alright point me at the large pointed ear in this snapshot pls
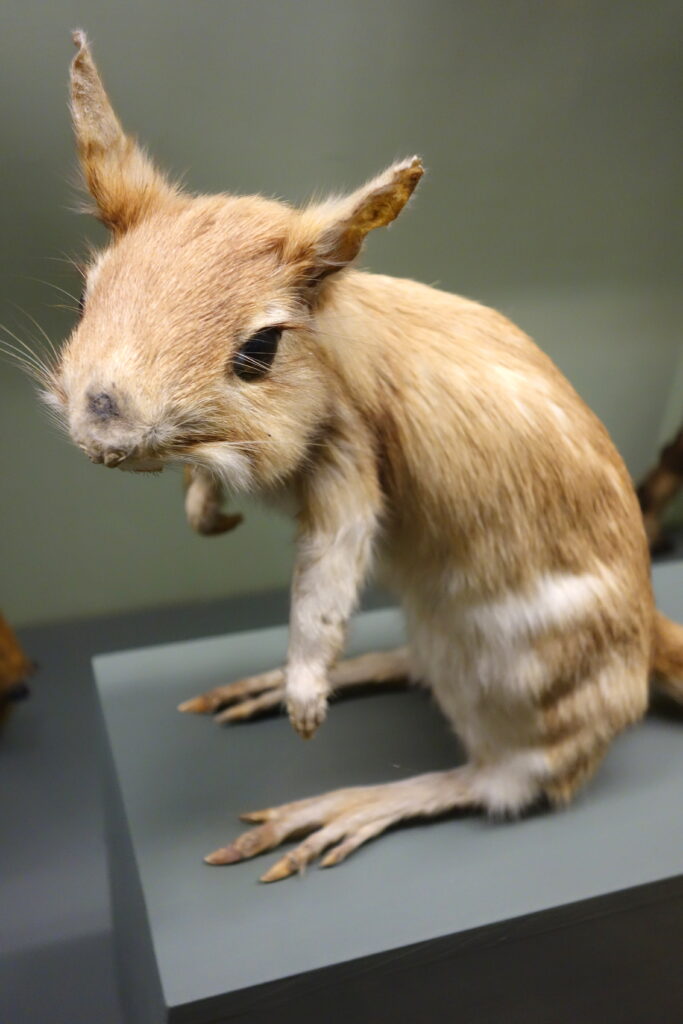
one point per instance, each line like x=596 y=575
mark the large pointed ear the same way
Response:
x=332 y=232
x=122 y=180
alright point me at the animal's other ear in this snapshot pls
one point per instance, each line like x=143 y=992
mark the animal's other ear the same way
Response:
x=121 y=179
x=333 y=232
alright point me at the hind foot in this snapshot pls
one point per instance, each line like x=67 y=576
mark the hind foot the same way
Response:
x=257 y=695
x=341 y=821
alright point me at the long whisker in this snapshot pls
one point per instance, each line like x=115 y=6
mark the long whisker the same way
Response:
x=20 y=360
x=63 y=306
x=55 y=417
x=26 y=353
x=25 y=347
x=23 y=355
x=51 y=347
x=51 y=284
x=30 y=369
x=73 y=261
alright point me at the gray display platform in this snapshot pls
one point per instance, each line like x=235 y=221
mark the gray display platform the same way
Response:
x=458 y=920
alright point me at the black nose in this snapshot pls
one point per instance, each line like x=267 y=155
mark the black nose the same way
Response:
x=103 y=406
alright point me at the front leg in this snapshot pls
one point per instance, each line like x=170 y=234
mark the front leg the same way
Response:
x=203 y=501
x=329 y=572
x=339 y=522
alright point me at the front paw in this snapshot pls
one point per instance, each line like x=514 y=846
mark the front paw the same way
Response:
x=306 y=704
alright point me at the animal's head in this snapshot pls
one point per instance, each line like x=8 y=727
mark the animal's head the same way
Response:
x=197 y=338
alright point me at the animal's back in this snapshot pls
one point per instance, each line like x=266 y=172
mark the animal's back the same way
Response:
x=512 y=533
x=489 y=454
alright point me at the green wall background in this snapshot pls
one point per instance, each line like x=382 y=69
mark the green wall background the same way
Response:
x=551 y=136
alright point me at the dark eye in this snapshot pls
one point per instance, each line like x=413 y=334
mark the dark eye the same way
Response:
x=253 y=360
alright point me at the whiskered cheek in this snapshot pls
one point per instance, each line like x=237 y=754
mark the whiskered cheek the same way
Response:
x=54 y=399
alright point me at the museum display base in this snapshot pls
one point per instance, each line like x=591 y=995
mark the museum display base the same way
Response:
x=557 y=918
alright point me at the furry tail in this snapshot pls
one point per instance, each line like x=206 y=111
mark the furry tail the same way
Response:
x=668 y=657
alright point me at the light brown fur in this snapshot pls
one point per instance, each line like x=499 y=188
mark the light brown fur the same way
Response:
x=413 y=430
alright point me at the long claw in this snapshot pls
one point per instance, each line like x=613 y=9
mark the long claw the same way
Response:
x=296 y=860
x=249 y=844
x=339 y=822
x=337 y=855
x=340 y=852
x=197 y=705
x=257 y=816
x=283 y=868
x=225 y=855
x=261 y=688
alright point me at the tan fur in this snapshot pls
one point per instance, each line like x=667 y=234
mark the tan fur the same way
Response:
x=121 y=179
x=415 y=431
x=668 y=656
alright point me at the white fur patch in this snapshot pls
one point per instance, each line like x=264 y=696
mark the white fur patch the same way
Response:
x=330 y=568
x=555 y=600
x=509 y=784
x=94 y=272
x=231 y=466
x=480 y=662
x=51 y=399
x=563 y=421
x=273 y=315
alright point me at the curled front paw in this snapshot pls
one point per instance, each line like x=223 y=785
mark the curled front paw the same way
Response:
x=306 y=708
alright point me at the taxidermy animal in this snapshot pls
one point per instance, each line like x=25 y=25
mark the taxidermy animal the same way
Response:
x=414 y=432
x=658 y=490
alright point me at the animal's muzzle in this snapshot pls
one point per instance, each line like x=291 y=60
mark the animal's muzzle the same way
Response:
x=103 y=406
x=111 y=457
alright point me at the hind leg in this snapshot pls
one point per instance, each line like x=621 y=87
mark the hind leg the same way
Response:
x=535 y=715
x=503 y=779
x=255 y=695
x=343 y=820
